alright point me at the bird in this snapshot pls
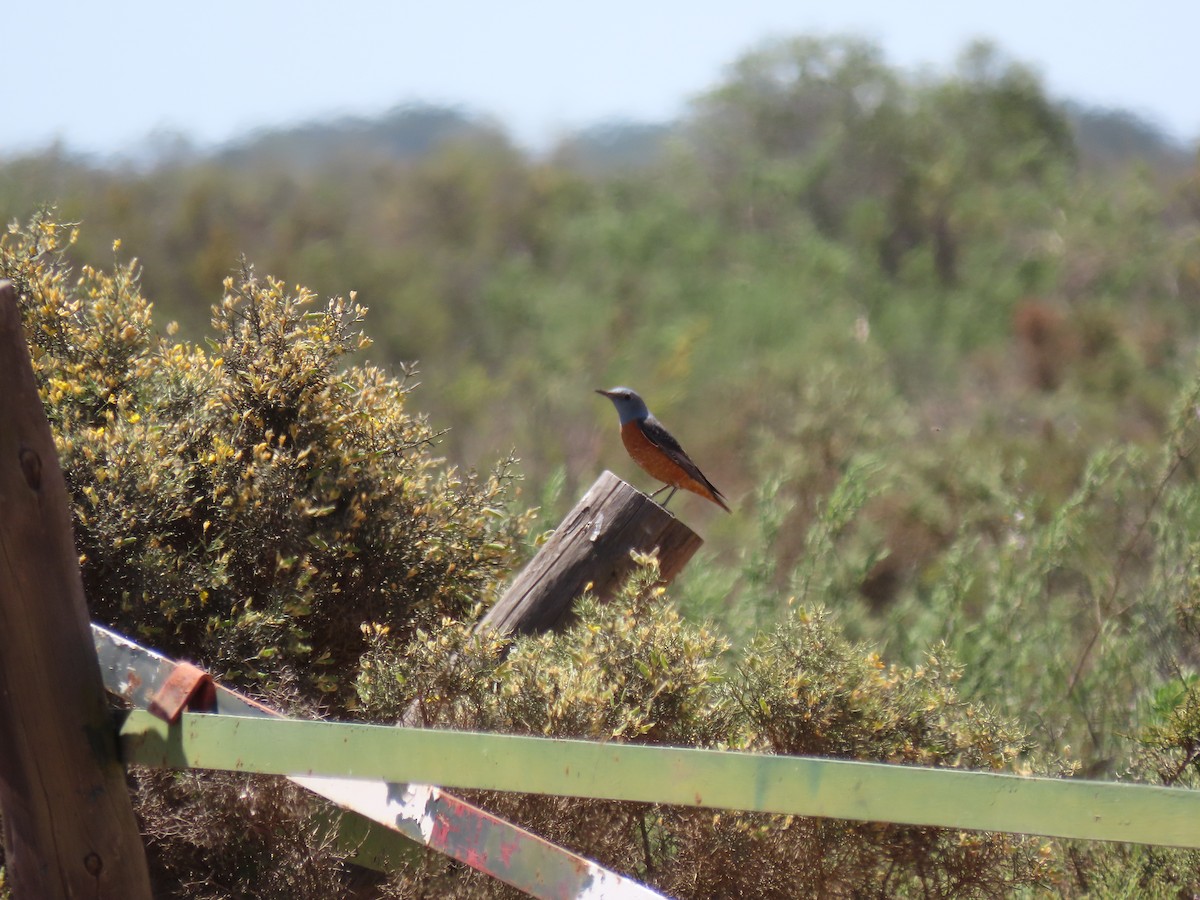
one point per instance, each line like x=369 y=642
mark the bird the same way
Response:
x=656 y=451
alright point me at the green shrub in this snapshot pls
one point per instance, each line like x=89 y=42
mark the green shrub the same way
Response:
x=253 y=503
x=632 y=670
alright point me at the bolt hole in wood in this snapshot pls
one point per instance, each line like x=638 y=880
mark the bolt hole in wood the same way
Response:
x=31 y=468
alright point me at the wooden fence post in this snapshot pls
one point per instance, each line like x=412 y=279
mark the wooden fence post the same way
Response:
x=592 y=546
x=69 y=828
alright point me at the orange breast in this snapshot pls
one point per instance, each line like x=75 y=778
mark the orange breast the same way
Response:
x=657 y=463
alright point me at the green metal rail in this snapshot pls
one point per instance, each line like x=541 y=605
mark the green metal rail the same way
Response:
x=1067 y=808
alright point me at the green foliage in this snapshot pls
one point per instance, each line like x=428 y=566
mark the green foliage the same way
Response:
x=632 y=670
x=629 y=669
x=1171 y=741
x=898 y=169
x=805 y=694
x=252 y=504
x=1062 y=604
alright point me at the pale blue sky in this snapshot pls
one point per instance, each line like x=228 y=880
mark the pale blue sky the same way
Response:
x=102 y=76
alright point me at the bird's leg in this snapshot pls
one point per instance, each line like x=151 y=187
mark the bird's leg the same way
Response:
x=659 y=491
x=669 y=496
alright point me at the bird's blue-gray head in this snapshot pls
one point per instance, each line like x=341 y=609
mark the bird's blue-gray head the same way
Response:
x=630 y=407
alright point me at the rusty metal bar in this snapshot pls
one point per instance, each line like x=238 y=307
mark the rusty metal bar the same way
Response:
x=951 y=798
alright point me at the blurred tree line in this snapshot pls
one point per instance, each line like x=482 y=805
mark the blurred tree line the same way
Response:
x=936 y=335
x=815 y=187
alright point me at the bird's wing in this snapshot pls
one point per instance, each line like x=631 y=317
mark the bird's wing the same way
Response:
x=665 y=441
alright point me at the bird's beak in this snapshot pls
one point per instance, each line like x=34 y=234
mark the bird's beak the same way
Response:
x=605 y=393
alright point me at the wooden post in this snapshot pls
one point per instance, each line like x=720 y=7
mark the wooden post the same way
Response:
x=69 y=828
x=592 y=547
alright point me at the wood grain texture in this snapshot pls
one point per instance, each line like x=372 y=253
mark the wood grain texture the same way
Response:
x=592 y=547
x=69 y=828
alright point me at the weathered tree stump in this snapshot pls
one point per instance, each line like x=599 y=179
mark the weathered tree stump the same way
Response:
x=69 y=828
x=592 y=547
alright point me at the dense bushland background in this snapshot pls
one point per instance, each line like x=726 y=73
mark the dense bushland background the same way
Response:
x=936 y=336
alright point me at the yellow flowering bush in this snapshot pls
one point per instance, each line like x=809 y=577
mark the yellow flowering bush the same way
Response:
x=633 y=670
x=253 y=502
